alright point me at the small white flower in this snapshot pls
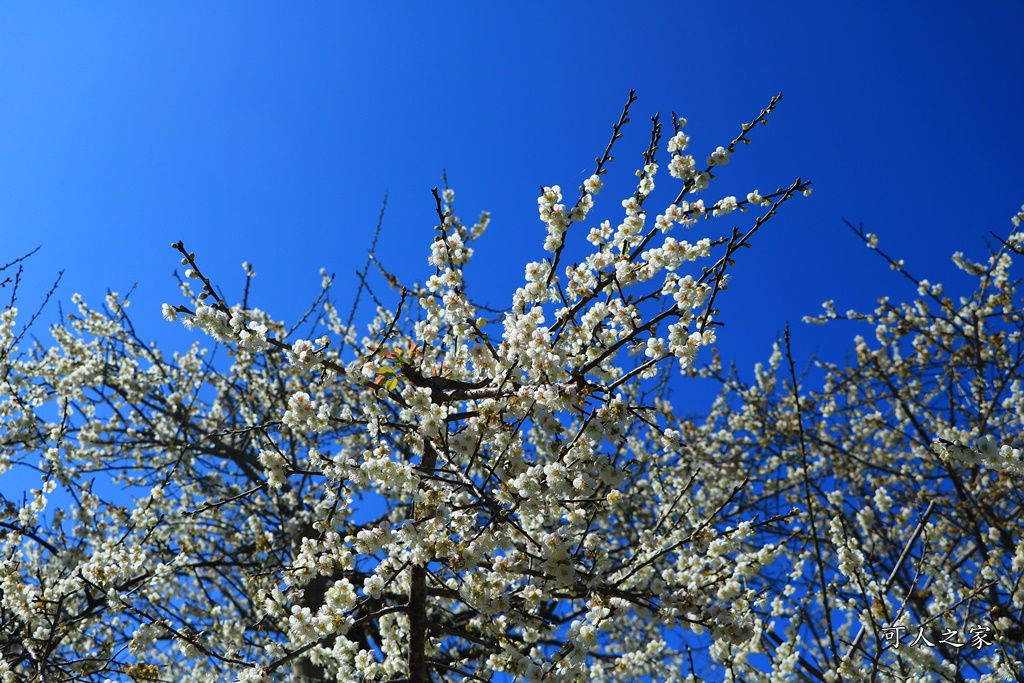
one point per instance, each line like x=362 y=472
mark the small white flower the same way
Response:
x=678 y=142
x=720 y=157
x=724 y=206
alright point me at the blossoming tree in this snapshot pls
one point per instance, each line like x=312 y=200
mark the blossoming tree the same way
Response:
x=906 y=560
x=453 y=496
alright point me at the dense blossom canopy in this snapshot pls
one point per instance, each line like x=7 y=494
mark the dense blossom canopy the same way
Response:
x=454 y=495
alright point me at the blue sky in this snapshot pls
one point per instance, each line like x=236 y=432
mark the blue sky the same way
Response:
x=270 y=132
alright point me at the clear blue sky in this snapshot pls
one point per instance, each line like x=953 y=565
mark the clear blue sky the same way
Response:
x=269 y=132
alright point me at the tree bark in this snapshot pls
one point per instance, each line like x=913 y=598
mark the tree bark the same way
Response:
x=417 y=606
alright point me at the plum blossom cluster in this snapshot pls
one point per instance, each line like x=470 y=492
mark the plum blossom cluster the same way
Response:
x=304 y=414
x=449 y=493
x=985 y=451
x=553 y=213
x=908 y=459
x=462 y=496
x=223 y=326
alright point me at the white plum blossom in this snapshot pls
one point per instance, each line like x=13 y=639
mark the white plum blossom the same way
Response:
x=446 y=490
x=678 y=142
x=682 y=166
x=304 y=354
x=720 y=157
x=724 y=206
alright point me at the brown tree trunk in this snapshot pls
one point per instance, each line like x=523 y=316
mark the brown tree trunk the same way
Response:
x=417 y=607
